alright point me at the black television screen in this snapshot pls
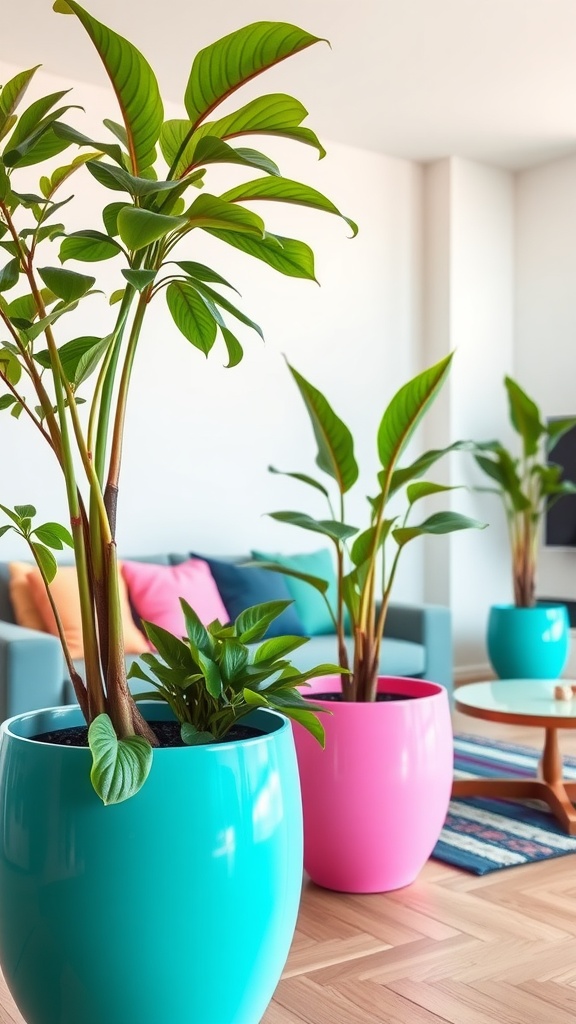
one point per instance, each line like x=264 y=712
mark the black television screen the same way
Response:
x=560 y=524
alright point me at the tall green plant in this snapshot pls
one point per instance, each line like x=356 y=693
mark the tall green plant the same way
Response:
x=527 y=484
x=367 y=559
x=151 y=228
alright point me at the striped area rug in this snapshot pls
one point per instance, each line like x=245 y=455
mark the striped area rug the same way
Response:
x=486 y=835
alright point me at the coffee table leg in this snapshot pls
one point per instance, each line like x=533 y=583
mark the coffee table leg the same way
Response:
x=551 y=761
x=549 y=786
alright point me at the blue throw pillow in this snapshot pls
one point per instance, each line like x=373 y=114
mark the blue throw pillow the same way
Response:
x=241 y=586
x=309 y=603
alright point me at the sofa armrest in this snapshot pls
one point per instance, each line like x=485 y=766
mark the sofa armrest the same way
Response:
x=431 y=626
x=31 y=670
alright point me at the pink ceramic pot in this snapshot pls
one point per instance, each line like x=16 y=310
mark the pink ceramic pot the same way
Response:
x=376 y=798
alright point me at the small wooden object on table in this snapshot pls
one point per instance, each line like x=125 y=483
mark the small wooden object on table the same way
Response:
x=543 y=703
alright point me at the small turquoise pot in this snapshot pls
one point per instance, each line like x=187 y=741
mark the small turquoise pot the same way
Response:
x=175 y=907
x=528 y=643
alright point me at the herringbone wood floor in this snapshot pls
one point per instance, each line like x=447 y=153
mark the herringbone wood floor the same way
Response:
x=450 y=948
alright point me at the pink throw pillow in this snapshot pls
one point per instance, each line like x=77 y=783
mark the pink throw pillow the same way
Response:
x=155 y=591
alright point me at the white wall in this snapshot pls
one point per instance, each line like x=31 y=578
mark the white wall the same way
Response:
x=546 y=317
x=469 y=274
x=199 y=437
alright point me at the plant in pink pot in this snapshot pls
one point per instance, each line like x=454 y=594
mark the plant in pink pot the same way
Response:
x=376 y=798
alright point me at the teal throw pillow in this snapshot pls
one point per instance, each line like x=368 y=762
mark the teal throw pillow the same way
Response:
x=309 y=603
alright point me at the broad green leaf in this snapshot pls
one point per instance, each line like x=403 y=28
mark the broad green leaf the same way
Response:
x=219 y=69
x=211 y=674
x=5 y=529
x=12 y=93
x=88 y=247
x=421 y=465
x=525 y=417
x=256 y=700
x=406 y=410
x=327 y=527
x=283 y=190
x=117 y=296
x=314 y=581
x=44 y=145
x=211 y=150
x=214 y=298
x=138 y=228
x=25 y=511
x=54 y=535
x=120 y=180
x=233 y=347
x=275 y=114
x=307 y=719
x=253 y=622
x=335 y=443
x=119 y=767
x=277 y=647
x=303 y=478
x=46 y=561
x=233 y=661
x=557 y=428
x=66 y=284
x=363 y=547
x=10 y=366
x=79 y=357
x=32 y=117
x=191 y=315
x=211 y=212
x=13 y=515
x=118 y=130
x=6 y=401
x=9 y=275
x=139 y=279
x=134 y=83
x=74 y=136
x=193 y=737
x=110 y=216
x=174 y=651
x=288 y=256
x=196 y=630
x=61 y=174
x=8 y=126
x=202 y=273
x=441 y=522
x=504 y=470
x=424 y=489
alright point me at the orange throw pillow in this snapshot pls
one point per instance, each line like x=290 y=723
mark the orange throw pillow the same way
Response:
x=64 y=589
x=25 y=611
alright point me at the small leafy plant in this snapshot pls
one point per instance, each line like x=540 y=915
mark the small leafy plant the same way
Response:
x=367 y=559
x=219 y=673
x=152 y=223
x=527 y=484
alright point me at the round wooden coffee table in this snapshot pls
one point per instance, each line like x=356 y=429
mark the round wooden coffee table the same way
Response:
x=524 y=702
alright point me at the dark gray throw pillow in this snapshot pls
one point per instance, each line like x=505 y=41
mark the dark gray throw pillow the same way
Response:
x=241 y=586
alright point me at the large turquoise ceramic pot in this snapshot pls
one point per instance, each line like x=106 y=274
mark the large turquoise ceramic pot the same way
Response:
x=528 y=643
x=175 y=907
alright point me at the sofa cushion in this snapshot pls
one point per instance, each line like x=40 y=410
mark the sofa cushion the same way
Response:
x=309 y=603
x=64 y=590
x=23 y=603
x=155 y=592
x=397 y=657
x=242 y=586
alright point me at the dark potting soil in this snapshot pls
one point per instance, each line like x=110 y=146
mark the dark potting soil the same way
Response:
x=167 y=733
x=380 y=697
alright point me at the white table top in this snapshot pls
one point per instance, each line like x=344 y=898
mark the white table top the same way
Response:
x=514 y=700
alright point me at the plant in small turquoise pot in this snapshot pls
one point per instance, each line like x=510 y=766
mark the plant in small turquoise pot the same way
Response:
x=127 y=912
x=376 y=799
x=526 y=639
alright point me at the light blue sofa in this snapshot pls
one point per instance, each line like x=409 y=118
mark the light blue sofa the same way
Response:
x=417 y=642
